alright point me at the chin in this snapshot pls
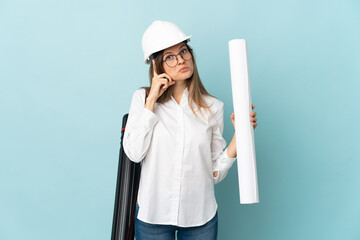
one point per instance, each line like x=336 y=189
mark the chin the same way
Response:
x=188 y=75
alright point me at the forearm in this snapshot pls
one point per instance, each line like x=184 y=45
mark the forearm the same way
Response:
x=231 y=149
x=231 y=152
x=150 y=103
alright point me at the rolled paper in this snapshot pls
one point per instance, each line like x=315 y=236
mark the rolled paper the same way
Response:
x=245 y=146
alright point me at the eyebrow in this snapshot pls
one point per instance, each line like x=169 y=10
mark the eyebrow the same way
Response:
x=179 y=49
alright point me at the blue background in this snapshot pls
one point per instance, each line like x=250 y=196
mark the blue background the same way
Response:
x=68 y=70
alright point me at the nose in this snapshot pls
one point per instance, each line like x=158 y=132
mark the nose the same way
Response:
x=180 y=58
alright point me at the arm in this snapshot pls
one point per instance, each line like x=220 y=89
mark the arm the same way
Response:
x=231 y=152
x=222 y=159
x=231 y=149
x=139 y=127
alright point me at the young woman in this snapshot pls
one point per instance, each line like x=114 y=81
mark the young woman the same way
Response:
x=175 y=129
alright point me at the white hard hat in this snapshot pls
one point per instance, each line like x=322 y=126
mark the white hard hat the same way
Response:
x=159 y=36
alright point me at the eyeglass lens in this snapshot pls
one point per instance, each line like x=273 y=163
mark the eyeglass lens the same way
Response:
x=172 y=60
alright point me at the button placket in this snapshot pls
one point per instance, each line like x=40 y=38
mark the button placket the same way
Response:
x=180 y=138
x=178 y=162
x=181 y=149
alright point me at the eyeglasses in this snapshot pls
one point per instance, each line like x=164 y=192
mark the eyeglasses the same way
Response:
x=172 y=60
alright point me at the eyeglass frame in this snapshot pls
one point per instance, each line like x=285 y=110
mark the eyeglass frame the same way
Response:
x=177 y=61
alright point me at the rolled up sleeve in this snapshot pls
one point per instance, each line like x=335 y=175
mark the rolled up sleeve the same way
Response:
x=222 y=165
x=220 y=159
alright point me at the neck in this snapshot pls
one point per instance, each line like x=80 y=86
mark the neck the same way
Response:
x=179 y=88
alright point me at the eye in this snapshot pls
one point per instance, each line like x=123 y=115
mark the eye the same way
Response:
x=169 y=57
x=184 y=51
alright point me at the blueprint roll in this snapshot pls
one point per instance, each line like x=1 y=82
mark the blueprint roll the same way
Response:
x=126 y=193
x=245 y=146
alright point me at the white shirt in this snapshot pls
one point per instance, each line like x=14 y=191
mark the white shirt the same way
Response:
x=179 y=154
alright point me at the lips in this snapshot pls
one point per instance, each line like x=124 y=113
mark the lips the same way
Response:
x=184 y=69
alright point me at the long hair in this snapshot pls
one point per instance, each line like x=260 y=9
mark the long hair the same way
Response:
x=196 y=89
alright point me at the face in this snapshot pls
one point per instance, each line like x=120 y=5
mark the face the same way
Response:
x=183 y=69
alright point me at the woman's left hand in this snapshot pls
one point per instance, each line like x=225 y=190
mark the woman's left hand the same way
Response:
x=253 y=119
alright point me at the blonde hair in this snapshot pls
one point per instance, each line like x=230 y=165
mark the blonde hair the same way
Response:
x=196 y=89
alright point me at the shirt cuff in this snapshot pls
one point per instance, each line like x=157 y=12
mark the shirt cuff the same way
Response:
x=226 y=162
x=226 y=156
x=224 y=166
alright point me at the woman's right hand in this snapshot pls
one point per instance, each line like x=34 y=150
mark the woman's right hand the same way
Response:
x=159 y=84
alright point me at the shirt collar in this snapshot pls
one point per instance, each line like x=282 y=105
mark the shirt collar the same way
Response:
x=184 y=98
x=186 y=91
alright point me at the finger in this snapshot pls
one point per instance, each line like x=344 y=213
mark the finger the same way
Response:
x=253 y=106
x=165 y=80
x=170 y=79
x=252 y=114
x=166 y=86
x=164 y=83
x=164 y=75
x=253 y=119
x=154 y=68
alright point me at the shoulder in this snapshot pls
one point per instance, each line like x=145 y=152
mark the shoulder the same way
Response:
x=139 y=92
x=139 y=95
x=216 y=105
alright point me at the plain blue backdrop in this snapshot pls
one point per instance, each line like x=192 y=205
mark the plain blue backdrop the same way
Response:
x=68 y=70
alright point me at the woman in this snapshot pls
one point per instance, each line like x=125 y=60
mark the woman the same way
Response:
x=175 y=128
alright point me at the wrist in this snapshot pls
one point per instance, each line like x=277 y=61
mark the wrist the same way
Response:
x=150 y=103
x=151 y=100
